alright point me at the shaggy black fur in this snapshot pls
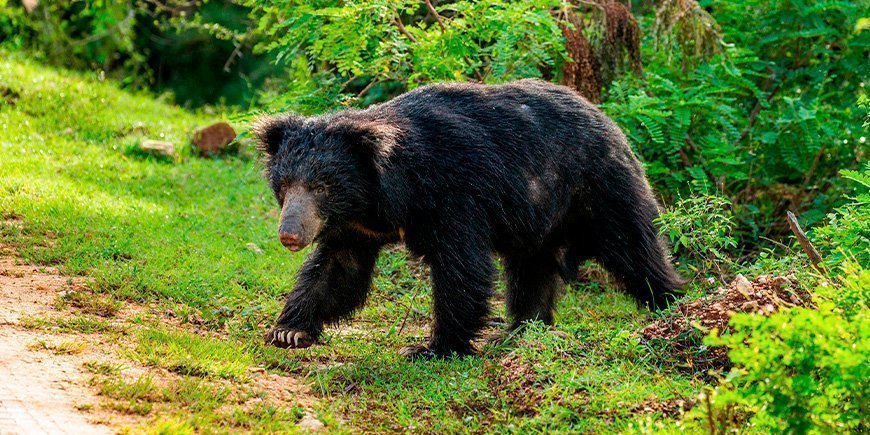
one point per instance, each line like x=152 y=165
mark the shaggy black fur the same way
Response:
x=528 y=170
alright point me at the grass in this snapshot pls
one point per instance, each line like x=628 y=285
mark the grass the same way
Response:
x=83 y=324
x=191 y=355
x=177 y=235
x=89 y=303
x=59 y=348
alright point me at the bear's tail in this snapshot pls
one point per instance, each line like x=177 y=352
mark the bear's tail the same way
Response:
x=629 y=246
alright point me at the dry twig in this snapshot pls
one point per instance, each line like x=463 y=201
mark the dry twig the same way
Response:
x=807 y=246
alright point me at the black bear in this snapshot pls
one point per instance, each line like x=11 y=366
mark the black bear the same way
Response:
x=527 y=170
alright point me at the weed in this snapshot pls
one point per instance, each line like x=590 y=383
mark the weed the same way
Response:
x=103 y=368
x=89 y=303
x=83 y=324
x=66 y=347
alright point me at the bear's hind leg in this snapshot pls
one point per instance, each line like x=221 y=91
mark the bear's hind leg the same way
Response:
x=533 y=286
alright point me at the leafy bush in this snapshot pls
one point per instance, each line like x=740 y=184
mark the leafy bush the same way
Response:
x=195 y=50
x=804 y=369
x=805 y=128
x=365 y=50
x=801 y=370
x=700 y=229
x=87 y=35
x=846 y=237
x=766 y=119
x=686 y=126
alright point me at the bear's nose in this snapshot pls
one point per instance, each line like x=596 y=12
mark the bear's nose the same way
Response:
x=290 y=241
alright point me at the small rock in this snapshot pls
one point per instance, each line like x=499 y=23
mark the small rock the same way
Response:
x=257 y=369
x=213 y=139
x=254 y=247
x=158 y=147
x=310 y=423
x=742 y=285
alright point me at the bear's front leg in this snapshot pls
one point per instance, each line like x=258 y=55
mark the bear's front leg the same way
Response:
x=462 y=274
x=332 y=283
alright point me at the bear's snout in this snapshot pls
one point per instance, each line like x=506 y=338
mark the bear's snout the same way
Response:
x=300 y=221
x=291 y=241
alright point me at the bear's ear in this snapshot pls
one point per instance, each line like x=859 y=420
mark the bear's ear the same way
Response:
x=272 y=131
x=373 y=138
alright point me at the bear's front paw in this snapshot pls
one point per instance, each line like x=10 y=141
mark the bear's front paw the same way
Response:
x=282 y=337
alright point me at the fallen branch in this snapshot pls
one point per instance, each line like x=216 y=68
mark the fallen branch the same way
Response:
x=807 y=246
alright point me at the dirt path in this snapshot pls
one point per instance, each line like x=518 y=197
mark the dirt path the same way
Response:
x=45 y=386
x=40 y=391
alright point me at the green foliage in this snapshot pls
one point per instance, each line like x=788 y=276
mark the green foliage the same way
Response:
x=198 y=51
x=846 y=236
x=700 y=229
x=804 y=369
x=766 y=123
x=806 y=40
x=108 y=208
x=807 y=127
x=685 y=127
x=801 y=370
x=87 y=35
x=362 y=51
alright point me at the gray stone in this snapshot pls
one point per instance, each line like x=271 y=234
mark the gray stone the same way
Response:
x=157 y=147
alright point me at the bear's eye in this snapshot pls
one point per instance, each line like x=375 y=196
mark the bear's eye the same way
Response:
x=319 y=190
x=280 y=193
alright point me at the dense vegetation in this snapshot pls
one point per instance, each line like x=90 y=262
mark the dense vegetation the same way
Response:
x=739 y=110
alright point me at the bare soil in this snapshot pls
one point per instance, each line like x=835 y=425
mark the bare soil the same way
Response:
x=40 y=391
x=44 y=384
x=681 y=333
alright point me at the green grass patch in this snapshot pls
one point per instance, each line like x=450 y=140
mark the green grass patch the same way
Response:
x=591 y=377
x=192 y=405
x=141 y=229
x=135 y=397
x=192 y=355
x=64 y=347
x=89 y=303
x=84 y=324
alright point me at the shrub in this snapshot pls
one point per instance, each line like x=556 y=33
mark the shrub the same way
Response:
x=362 y=51
x=805 y=369
x=700 y=229
x=846 y=237
x=800 y=370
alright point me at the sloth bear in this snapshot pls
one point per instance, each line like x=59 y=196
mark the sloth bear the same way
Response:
x=527 y=170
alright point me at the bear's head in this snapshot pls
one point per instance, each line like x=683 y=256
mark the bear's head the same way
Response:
x=323 y=170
